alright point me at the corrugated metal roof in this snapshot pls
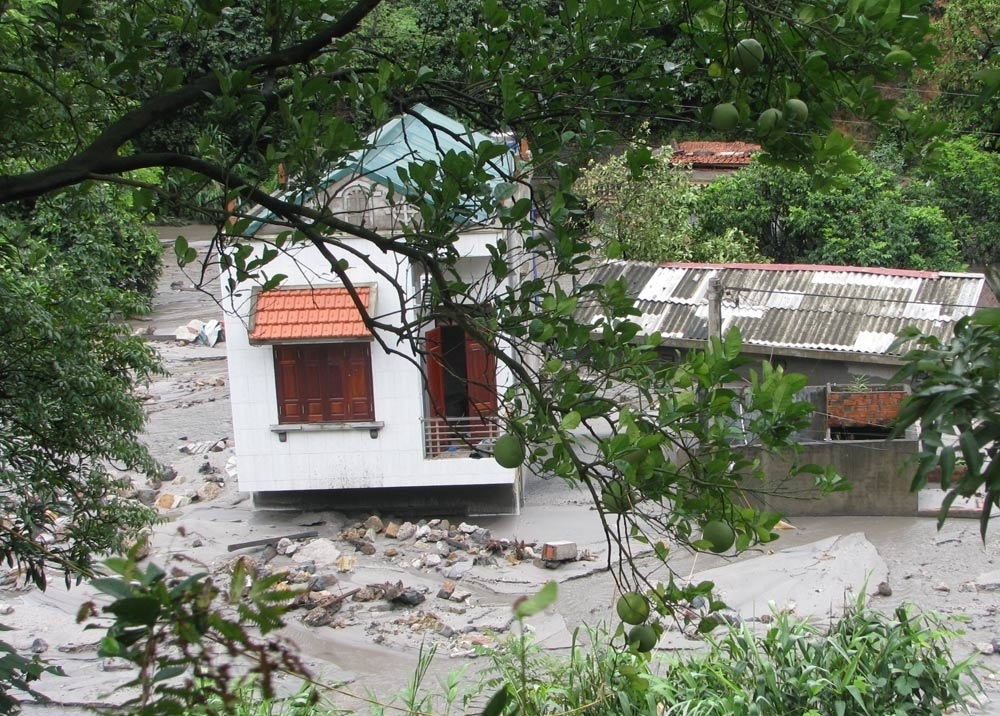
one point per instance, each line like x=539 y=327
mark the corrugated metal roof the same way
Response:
x=826 y=308
x=299 y=314
x=421 y=135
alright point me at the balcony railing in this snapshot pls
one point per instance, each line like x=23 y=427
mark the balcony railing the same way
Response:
x=456 y=437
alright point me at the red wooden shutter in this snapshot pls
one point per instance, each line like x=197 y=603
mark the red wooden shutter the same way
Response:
x=287 y=384
x=481 y=375
x=435 y=371
x=357 y=364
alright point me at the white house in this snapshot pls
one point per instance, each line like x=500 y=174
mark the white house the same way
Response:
x=323 y=410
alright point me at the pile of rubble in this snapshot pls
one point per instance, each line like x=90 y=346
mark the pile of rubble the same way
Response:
x=342 y=580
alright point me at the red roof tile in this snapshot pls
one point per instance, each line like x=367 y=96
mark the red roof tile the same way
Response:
x=723 y=154
x=298 y=314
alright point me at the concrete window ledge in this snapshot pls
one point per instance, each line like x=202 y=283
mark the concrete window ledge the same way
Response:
x=373 y=427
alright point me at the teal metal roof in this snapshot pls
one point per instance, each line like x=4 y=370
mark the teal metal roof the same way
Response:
x=420 y=135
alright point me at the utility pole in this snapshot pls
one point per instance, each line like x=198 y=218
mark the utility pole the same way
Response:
x=714 y=309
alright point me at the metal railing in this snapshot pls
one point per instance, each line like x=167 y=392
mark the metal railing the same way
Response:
x=456 y=437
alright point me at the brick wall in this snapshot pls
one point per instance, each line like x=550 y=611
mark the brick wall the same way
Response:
x=856 y=409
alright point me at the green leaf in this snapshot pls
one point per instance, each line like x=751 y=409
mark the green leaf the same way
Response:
x=570 y=421
x=497 y=705
x=530 y=606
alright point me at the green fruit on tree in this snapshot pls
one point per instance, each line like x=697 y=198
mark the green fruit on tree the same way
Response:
x=748 y=55
x=725 y=117
x=719 y=534
x=768 y=120
x=632 y=608
x=796 y=110
x=508 y=451
x=617 y=497
x=643 y=637
x=898 y=57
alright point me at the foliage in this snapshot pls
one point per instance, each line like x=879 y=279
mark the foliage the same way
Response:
x=248 y=700
x=964 y=81
x=644 y=208
x=868 y=663
x=868 y=221
x=963 y=180
x=954 y=398
x=67 y=413
x=188 y=636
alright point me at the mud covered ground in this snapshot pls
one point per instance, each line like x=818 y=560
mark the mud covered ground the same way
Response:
x=451 y=581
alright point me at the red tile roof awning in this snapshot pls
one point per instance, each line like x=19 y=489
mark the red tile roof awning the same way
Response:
x=309 y=314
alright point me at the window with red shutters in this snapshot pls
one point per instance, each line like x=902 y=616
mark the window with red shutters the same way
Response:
x=324 y=383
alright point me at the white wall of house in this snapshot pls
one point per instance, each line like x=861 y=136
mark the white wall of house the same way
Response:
x=274 y=457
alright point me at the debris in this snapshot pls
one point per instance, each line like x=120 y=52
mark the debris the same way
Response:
x=563 y=551
x=447 y=589
x=941 y=587
x=374 y=523
x=115 y=663
x=346 y=563
x=270 y=540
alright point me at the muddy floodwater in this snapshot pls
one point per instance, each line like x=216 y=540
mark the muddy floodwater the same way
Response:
x=369 y=650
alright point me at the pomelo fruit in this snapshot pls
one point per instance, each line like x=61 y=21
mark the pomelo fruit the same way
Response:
x=748 y=55
x=643 y=636
x=768 y=120
x=632 y=608
x=796 y=110
x=725 y=117
x=508 y=451
x=720 y=534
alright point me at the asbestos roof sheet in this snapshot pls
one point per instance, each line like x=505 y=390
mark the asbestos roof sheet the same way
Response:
x=805 y=307
x=300 y=314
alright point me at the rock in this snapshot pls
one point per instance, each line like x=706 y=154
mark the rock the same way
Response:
x=374 y=523
x=967 y=587
x=432 y=560
x=421 y=531
x=481 y=536
x=269 y=553
x=167 y=474
x=346 y=563
x=369 y=535
x=460 y=595
x=209 y=491
x=941 y=587
x=435 y=535
x=996 y=644
x=884 y=590
x=196 y=542
x=986 y=648
x=466 y=528
x=988 y=582
x=286 y=546
x=6 y=609
x=447 y=589
x=446 y=631
x=406 y=531
x=316 y=617
x=323 y=581
x=369 y=593
x=456 y=571
x=206 y=468
x=391 y=552
x=170 y=501
x=322 y=551
x=392 y=530
x=146 y=495
x=39 y=646
x=115 y=663
x=409 y=597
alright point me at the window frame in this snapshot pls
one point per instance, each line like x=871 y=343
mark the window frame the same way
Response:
x=324 y=383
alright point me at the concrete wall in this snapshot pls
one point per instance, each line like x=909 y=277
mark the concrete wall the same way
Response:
x=877 y=470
